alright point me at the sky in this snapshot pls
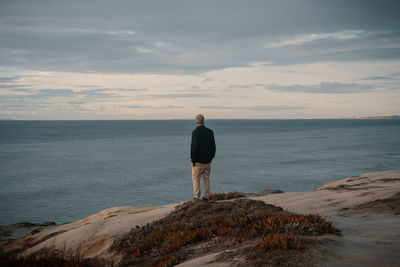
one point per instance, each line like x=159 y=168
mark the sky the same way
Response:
x=160 y=59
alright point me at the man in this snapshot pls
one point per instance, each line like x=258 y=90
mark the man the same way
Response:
x=202 y=152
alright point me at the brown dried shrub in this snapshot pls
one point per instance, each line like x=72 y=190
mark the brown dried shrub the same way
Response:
x=279 y=241
x=239 y=220
x=226 y=196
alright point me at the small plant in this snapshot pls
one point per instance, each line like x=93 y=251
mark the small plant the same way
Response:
x=279 y=241
x=227 y=196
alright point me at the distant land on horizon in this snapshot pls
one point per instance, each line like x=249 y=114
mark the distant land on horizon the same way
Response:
x=377 y=117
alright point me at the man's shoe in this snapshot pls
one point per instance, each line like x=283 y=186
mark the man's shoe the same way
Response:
x=195 y=199
x=205 y=199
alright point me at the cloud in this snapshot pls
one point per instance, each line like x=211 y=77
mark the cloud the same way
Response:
x=152 y=107
x=61 y=98
x=94 y=92
x=311 y=37
x=136 y=106
x=96 y=31
x=192 y=36
x=54 y=92
x=21 y=104
x=89 y=86
x=52 y=100
x=183 y=95
x=17 y=89
x=98 y=91
x=52 y=97
x=375 y=78
x=206 y=80
x=50 y=93
x=9 y=79
x=322 y=88
x=129 y=89
x=13 y=86
x=242 y=86
x=11 y=82
x=77 y=106
x=257 y=107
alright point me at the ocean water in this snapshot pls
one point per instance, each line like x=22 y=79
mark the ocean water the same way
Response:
x=63 y=171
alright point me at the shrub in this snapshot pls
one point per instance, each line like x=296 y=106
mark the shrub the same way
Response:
x=240 y=220
x=227 y=196
x=279 y=241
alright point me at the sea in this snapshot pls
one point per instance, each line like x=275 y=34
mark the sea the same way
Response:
x=63 y=171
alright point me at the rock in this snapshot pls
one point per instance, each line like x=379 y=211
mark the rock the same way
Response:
x=265 y=192
x=47 y=223
x=347 y=201
x=23 y=225
x=18 y=230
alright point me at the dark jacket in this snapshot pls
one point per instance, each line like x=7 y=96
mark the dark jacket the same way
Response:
x=203 y=145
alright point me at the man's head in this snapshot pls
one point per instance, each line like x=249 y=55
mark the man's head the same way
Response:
x=199 y=119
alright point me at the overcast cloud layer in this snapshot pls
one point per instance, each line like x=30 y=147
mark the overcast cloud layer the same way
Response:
x=193 y=36
x=196 y=41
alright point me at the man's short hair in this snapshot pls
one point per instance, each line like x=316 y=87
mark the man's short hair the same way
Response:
x=199 y=119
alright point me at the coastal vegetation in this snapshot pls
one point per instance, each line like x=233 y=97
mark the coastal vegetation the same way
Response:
x=227 y=196
x=251 y=228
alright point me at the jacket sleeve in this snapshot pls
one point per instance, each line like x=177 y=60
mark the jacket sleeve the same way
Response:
x=213 y=148
x=193 y=147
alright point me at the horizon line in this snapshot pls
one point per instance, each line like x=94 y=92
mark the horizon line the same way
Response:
x=334 y=118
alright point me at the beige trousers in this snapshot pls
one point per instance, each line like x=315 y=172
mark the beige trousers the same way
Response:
x=199 y=170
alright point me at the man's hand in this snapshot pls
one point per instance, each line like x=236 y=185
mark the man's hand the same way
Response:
x=192 y=164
